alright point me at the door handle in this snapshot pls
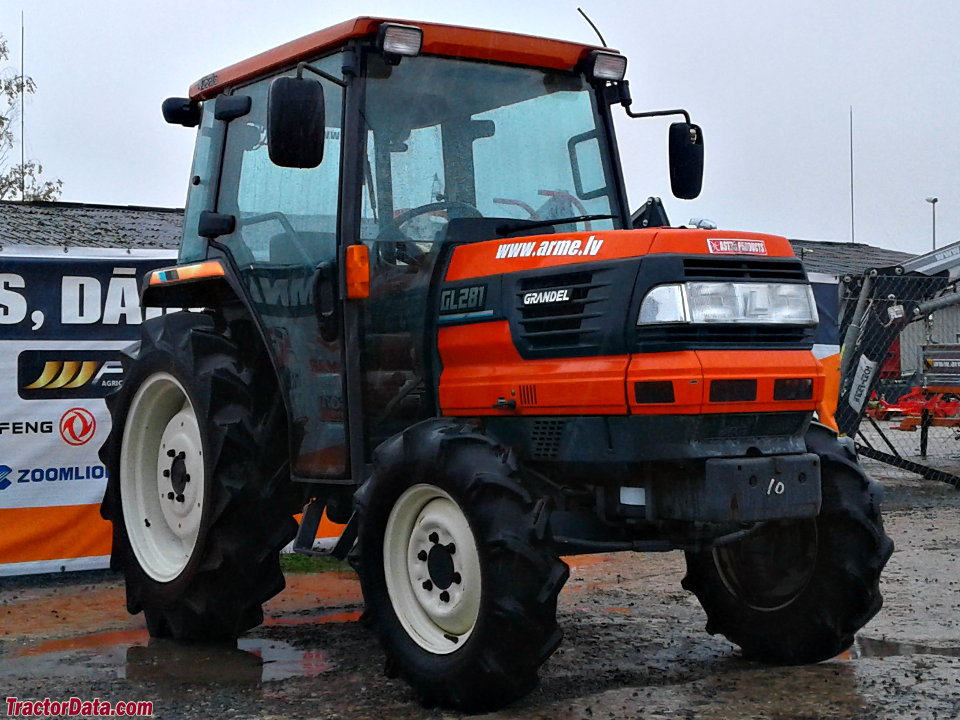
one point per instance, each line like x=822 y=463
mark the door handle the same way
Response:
x=326 y=300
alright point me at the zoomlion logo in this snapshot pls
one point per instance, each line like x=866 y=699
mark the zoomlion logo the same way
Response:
x=4 y=471
x=77 y=426
x=52 y=375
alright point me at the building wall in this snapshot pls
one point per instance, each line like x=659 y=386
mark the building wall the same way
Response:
x=943 y=327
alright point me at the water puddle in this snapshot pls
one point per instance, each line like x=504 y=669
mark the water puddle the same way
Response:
x=248 y=662
x=133 y=655
x=866 y=647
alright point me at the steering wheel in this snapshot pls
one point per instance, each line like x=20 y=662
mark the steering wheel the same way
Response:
x=407 y=250
x=408 y=215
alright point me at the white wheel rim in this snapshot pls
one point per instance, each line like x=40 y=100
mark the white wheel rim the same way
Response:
x=785 y=582
x=162 y=477
x=432 y=569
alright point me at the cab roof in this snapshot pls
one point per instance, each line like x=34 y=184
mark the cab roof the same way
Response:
x=448 y=40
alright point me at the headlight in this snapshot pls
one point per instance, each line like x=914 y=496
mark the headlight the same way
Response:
x=730 y=302
x=663 y=304
x=606 y=66
x=399 y=39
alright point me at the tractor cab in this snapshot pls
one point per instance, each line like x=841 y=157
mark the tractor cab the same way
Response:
x=401 y=140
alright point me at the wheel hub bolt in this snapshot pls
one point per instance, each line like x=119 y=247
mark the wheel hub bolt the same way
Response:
x=440 y=566
x=177 y=472
x=427 y=585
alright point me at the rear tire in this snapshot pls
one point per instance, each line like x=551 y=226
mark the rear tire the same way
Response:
x=796 y=593
x=458 y=575
x=197 y=481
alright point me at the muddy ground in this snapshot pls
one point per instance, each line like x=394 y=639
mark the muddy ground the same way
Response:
x=634 y=645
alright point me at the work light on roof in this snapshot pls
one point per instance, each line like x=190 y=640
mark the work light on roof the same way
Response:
x=607 y=66
x=402 y=40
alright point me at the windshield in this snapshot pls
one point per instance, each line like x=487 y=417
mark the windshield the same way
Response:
x=453 y=139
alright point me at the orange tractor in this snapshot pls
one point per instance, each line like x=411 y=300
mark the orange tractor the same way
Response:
x=430 y=316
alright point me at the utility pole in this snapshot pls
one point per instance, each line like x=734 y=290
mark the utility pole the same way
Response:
x=933 y=205
x=852 y=233
x=23 y=109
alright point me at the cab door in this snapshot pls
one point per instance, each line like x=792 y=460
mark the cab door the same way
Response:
x=284 y=246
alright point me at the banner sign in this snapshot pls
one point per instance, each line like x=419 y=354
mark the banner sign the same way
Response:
x=64 y=318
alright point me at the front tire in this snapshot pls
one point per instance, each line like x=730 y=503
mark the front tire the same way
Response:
x=198 y=480
x=457 y=572
x=797 y=592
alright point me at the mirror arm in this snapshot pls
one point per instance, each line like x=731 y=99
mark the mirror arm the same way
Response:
x=627 y=101
x=658 y=113
x=317 y=71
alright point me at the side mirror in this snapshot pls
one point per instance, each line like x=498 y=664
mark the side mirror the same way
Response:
x=686 y=160
x=181 y=111
x=296 y=122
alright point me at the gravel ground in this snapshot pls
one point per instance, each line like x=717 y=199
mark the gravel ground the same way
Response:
x=634 y=645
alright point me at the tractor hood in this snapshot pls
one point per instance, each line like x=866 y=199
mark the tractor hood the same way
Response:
x=551 y=325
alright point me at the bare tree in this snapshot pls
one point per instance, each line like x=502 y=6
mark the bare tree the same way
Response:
x=19 y=180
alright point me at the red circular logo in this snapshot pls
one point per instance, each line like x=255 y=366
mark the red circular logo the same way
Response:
x=77 y=426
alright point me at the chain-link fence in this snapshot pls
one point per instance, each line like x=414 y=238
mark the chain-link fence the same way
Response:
x=900 y=387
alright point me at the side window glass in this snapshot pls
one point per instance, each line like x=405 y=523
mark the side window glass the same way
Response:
x=203 y=193
x=369 y=207
x=285 y=216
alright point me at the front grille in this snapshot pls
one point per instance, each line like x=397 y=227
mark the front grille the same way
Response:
x=568 y=325
x=711 y=268
x=745 y=425
x=669 y=338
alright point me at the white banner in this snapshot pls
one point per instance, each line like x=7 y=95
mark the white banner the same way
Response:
x=64 y=317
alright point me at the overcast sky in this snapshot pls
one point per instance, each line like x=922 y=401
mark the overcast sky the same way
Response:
x=771 y=83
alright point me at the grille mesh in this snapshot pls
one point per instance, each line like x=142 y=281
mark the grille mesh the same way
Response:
x=664 y=338
x=789 y=269
x=569 y=325
x=545 y=438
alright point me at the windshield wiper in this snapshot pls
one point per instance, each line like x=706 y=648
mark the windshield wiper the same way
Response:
x=508 y=228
